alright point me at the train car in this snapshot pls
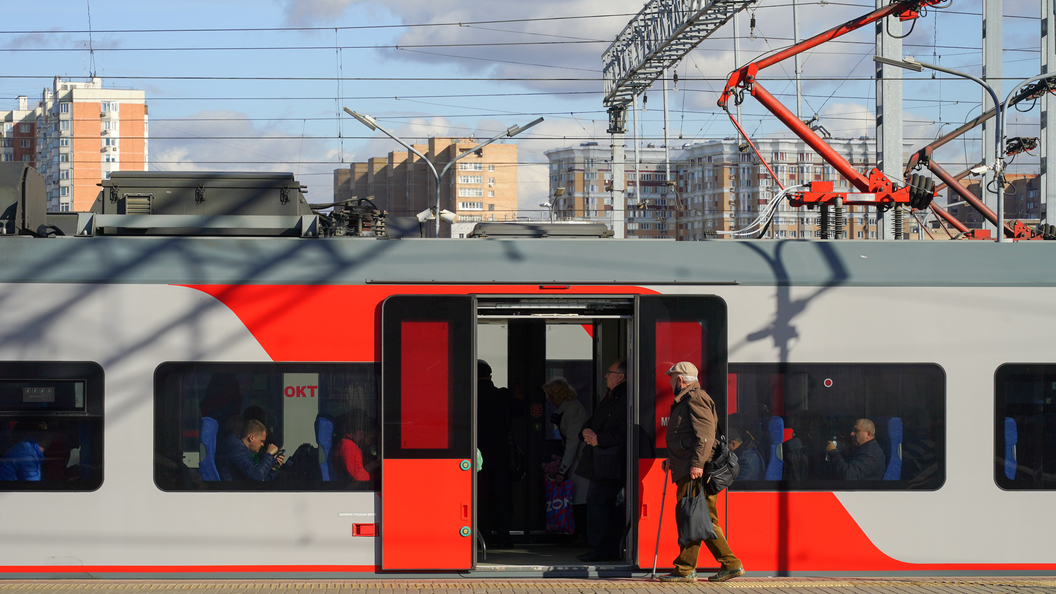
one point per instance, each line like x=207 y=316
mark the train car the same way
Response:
x=128 y=359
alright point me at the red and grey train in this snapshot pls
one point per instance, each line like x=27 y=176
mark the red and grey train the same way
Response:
x=132 y=348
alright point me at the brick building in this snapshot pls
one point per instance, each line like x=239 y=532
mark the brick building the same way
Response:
x=479 y=187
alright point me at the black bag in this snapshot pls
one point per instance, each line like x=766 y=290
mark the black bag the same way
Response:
x=692 y=516
x=723 y=468
x=608 y=463
x=303 y=467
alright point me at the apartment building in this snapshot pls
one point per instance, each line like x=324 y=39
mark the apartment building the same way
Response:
x=480 y=187
x=18 y=133
x=721 y=185
x=85 y=132
x=581 y=184
x=1023 y=201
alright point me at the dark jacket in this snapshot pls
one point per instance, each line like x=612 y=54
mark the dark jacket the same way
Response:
x=690 y=431
x=610 y=424
x=495 y=406
x=236 y=462
x=868 y=463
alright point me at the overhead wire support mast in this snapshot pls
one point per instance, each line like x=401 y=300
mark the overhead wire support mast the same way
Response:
x=660 y=35
x=876 y=188
x=924 y=158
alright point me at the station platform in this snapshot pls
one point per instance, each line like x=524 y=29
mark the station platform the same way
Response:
x=540 y=586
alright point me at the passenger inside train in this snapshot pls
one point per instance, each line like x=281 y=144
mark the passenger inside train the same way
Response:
x=811 y=422
x=51 y=426
x=266 y=426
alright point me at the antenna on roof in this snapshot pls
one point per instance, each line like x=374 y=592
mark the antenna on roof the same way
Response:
x=91 y=50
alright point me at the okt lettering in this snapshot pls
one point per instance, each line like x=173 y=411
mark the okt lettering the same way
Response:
x=301 y=391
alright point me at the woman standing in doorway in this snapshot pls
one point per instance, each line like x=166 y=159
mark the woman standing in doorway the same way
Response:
x=569 y=419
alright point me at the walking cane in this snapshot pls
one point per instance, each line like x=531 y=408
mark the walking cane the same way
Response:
x=663 y=499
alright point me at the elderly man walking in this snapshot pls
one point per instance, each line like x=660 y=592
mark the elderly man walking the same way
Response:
x=690 y=443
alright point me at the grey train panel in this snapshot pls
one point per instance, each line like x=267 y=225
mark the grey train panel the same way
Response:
x=183 y=260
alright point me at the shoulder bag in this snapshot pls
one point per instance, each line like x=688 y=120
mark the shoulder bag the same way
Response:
x=722 y=469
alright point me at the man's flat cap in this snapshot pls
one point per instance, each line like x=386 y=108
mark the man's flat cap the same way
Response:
x=683 y=368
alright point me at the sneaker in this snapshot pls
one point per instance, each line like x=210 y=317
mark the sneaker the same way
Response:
x=678 y=577
x=726 y=574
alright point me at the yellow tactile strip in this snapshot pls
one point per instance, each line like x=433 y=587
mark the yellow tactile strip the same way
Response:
x=529 y=586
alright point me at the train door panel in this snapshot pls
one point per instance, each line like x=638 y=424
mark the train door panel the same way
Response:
x=428 y=388
x=669 y=329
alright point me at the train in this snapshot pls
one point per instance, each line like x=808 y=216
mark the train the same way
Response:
x=128 y=352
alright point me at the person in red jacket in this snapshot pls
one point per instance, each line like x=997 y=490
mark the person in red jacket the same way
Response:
x=357 y=435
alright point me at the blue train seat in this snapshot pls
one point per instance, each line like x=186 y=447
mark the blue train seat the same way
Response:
x=324 y=436
x=207 y=431
x=894 y=452
x=775 y=465
x=1011 y=438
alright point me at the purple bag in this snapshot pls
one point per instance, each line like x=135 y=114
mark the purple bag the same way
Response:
x=559 y=508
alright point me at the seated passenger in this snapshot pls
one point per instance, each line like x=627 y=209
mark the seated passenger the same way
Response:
x=235 y=461
x=23 y=460
x=868 y=462
x=356 y=436
x=748 y=456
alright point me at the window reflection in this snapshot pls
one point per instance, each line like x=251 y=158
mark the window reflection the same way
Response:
x=266 y=426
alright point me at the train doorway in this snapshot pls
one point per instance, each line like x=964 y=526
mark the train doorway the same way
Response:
x=430 y=434
x=527 y=342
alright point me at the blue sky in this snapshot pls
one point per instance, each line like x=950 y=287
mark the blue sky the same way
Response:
x=253 y=85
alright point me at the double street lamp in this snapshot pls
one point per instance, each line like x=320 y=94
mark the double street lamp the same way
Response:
x=371 y=123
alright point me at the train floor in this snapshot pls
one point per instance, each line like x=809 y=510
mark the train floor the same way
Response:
x=534 y=555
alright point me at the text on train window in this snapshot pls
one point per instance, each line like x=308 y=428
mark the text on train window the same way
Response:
x=266 y=426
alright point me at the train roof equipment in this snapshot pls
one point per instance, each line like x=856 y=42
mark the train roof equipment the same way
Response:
x=876 y=189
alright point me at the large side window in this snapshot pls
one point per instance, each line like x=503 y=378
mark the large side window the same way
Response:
x=1025 y=426
x=51 y=426
x=322 y=417
x=887 y=422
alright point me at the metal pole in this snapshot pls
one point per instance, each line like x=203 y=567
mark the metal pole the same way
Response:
x=992 y=43
x=1048 y=110
x=737 y=55
x=667 y=153
x=795 y=38
x=889 y=139
x=660 y=523
x=997 y=142
x=637 y=157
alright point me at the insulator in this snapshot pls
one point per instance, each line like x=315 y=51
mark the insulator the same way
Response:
x=838 y=219
x=825 y=222
x=898 y=221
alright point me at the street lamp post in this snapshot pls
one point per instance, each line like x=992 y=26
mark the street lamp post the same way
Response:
x=549 y=207
x=371 y=123
x=910 y=63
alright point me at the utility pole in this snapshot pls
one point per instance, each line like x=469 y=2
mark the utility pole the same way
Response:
x=888 y=113
x=992 y=44
x=1047 y=184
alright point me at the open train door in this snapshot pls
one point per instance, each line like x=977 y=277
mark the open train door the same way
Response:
x=670 y=329
x=428 y=385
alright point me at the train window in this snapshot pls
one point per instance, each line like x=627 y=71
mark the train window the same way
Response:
x=322 y=417
x=51 y=426
x=1025 y=427
x=887 y=421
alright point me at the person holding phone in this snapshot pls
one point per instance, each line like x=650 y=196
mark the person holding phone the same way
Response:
x=236 y=456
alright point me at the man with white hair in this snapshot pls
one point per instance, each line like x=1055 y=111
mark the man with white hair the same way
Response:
x=690 y=444
x=868 y=462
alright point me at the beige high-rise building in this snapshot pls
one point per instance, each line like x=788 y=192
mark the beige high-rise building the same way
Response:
x=84 y=133
x=479 y=187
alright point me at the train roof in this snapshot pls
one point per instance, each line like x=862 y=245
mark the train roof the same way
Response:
x=351 y=261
